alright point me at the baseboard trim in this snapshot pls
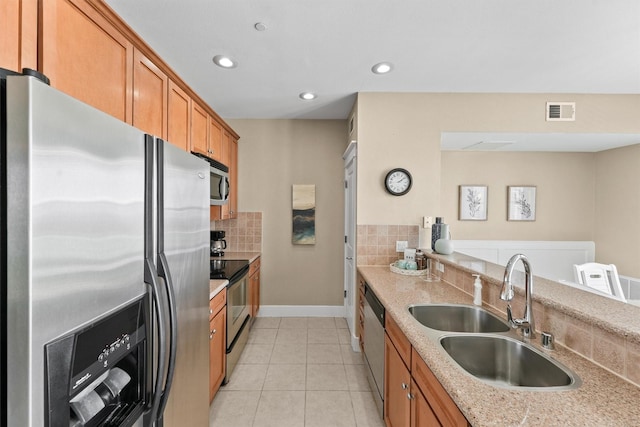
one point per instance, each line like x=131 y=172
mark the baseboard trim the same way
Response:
x=301 y=311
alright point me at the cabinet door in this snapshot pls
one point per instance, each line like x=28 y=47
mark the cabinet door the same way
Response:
x=360 y=326
x=397 y=381
x=199 y=129
x=216 y=352
x=233 y=178
x=86 y=57
x=254 y=283
x=179 y=117
x=421 y=413
x=19 y=34
x=215 y=140
x=439 y=400
x=150 y=93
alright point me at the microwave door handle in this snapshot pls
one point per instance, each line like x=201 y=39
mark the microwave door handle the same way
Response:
x=164 y=272
x=226 y=195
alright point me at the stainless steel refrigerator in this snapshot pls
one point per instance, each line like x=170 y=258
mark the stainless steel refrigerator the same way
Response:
x=104 y=267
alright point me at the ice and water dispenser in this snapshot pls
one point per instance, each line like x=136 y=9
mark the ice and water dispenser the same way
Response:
x=96 y=376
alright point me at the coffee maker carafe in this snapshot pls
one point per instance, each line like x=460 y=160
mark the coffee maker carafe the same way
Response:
x=218 y=244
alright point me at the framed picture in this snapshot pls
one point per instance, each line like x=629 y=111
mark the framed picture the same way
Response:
x=472 y=202
x=303 y=214
x=521 y=203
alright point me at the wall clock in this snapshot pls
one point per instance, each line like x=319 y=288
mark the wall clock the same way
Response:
x=398 y=181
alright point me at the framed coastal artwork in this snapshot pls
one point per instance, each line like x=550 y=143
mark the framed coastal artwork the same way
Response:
x=304 y=214
x=521 y=203
x=472 y=202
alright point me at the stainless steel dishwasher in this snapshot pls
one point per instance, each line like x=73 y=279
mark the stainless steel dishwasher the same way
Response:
x=374 y=345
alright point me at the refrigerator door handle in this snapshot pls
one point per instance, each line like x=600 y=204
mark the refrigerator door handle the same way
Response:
x=165 y=274
x=151 y=277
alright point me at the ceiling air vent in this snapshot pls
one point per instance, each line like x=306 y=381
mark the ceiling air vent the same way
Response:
x=561 y=111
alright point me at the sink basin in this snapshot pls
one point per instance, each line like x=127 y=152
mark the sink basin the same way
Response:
x=457 y=318
x=507 y=362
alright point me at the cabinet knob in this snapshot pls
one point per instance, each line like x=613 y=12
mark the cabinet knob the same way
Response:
x=409 y=396
x=212 y=334
x=210 y=311
x=404 y=386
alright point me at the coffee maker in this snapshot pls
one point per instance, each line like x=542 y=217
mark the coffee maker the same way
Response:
x=218 y=244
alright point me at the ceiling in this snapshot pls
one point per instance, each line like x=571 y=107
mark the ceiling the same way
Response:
x=329 y=46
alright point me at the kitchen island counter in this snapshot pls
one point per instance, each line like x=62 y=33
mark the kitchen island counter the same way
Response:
x=603 y=399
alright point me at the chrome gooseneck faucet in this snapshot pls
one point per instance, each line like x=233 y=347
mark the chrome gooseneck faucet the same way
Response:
x=526 y=323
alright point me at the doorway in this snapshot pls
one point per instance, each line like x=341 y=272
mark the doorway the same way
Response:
x=350 y=166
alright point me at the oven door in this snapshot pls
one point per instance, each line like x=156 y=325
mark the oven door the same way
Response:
x=237 y=309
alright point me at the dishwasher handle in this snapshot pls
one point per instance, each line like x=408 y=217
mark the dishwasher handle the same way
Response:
x=374 y=303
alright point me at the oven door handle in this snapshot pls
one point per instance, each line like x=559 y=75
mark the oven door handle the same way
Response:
x=165 y=274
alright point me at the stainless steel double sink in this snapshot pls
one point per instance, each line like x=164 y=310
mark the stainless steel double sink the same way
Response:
x=484 y=346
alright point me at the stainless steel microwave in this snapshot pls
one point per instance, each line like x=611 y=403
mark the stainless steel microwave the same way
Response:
x=219 y=183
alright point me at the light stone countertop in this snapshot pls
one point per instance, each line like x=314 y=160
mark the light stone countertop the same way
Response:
x=215 y=286
x=603 y=399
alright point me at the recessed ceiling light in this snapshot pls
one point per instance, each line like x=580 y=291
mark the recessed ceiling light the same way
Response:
x=382 y=68
x=260 y=26
x=224 y=61
x=307 y=96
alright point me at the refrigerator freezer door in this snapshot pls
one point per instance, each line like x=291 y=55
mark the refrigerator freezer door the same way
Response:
x=184 y=241
x=75 y=192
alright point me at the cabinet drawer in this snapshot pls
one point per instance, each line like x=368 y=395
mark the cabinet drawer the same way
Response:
x=217 y=303
x=254 y=266
x=439 y=400
x=401 y=342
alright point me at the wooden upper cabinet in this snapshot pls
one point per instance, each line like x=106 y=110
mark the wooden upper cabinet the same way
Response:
x=150 y=94
x=225 y=149
x=86 y=57
x=179 y=117
x=233 y=178
x=215 y=139
x=199 y=129
x=19 y=34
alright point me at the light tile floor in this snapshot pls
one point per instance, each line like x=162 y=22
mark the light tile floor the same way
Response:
x=297 y=372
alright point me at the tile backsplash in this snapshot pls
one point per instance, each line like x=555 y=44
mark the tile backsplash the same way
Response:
x=376 y=244
x=244 y=233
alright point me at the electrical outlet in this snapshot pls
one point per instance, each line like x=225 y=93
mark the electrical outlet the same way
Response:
x=440 y=267
x=427 y=221
x=401 y=245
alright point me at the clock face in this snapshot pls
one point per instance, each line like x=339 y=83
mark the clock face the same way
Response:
x=398 y=181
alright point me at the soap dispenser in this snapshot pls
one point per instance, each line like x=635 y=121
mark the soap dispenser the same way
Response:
x=477 y=290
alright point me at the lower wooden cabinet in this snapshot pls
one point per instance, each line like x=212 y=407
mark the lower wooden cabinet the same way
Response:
x=217 y=342
x=421 y=412
x=397 y=380
x=360 y=320
x=254 y=288
x=413 y=396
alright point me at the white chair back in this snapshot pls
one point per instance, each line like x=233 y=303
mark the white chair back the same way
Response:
x=601 y=277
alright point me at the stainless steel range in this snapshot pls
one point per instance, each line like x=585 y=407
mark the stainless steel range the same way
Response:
x=238 y=316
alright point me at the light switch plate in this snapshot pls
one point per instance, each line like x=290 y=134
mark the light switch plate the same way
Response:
x=427 y=221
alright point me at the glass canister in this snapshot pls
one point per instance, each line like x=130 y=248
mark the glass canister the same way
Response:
x=421 y=260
